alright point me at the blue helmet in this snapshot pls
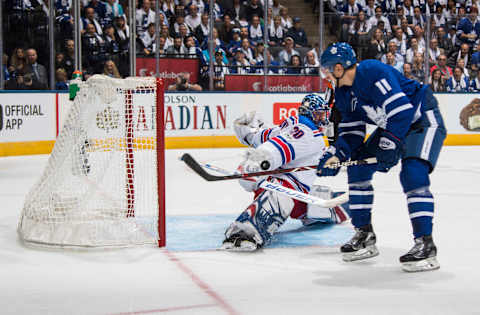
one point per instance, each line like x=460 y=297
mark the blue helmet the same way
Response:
x=341 y=53
x=314 y=107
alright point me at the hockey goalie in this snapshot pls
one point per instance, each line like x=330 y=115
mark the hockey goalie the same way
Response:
x=297 y=141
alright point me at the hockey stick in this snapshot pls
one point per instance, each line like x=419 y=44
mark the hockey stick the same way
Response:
x=294 y=194
x=197 y=168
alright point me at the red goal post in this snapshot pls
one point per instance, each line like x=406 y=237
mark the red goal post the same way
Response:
x=104 y=183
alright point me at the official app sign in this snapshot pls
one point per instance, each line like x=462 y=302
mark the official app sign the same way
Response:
x=27 y=117
x=282 y=111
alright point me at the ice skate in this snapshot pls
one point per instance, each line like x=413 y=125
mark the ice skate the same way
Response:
x=422 y=257
x=361 y=246
x=240 y=242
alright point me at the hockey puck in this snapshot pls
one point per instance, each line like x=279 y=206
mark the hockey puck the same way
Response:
x=265 y=165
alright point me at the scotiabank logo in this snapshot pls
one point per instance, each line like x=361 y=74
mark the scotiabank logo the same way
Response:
x=282 y=111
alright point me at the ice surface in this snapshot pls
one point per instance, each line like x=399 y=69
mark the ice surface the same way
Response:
x=301 y=274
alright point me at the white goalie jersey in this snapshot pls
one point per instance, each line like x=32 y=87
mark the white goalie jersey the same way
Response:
x=297 y=141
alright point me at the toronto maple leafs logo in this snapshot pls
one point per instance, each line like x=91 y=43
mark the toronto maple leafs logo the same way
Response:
x=333 y=50
x=377 y=115
x=353 y=101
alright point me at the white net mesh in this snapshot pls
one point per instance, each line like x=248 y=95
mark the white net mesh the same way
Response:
x=99 y=188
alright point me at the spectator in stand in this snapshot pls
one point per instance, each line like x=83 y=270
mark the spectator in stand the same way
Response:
x=273 y=67
x=406 y=29
x=111 y=45
x=407 y=71
x=110 y=69
x=183 y=83
x=444 y=42
x=69 y=54
x=463 y=53
x=202 y=30
x=217 y=11
x=418 y=30
x=191 y=48
x=183 y=31
x=238 y=11
x=392 y=47
x=90 y=19
x=179 y=21
x=59 y=60
x=286 y=19
x=450 y=13
x=255 y=30
x=269 y=24
x=220 y=69
x=400 y=40
x=457 y=83
x=147 y=40
x=247 y=51
x=452 y=35
x=358 y=34
x=461 y=65
x=226 y=29
x=200 y=5
x=244 y=32
x=374 y=20
x=144 y=17
x=390 y=60
x=433 y=52
x=253 y=8
x=277 y=32
x=38 y=71
x=439 y=17
x=396 y=19
x=294 y=66
x=235 y=43
x=348 y=15
x=377 y=46
x=112 y=10
x=177 y=50
x=24 y=82
x=287 y=52
x=276 y=7
x=168 y=7
x=311 y=65
x=92 y=45
x=437 y=81
x=61 y=79
x=165 y=33
x=258 y=53
x=98 y=8
x=413 y=50
x=240 y=65
x=298 y=33
x=474 y=85
x=193 y=19
x=418 y=67
x=369 y=9
x=446 y=71
x=475 y=60
x=468 y=29
x=418 y=19
x=18 y=61
x=408 y=10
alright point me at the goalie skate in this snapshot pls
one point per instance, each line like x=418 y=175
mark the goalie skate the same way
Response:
x=240 y=242
x=361 y=246
x=422 y=257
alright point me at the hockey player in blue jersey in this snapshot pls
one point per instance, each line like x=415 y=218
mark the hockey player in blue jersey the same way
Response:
x=410 y=128
x=295 y=142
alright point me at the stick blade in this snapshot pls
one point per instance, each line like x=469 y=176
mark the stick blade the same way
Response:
x=197 y=168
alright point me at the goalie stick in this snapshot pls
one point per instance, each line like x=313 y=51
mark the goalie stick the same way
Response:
x=279 y=189
x=197 y=168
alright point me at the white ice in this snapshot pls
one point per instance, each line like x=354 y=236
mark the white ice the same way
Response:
x=302 y=280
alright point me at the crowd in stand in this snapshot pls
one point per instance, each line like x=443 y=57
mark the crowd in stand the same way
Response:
x=390 y=30
x=395 y=32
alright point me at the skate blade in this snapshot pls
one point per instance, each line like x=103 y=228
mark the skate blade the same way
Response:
x=245 y=246
x=421 y=265
x=364 y=253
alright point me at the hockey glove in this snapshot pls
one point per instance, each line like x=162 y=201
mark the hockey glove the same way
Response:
x=246 y=126
x=333 y=154
x=388 y=152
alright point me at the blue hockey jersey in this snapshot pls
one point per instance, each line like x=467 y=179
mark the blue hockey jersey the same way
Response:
x=381 y=96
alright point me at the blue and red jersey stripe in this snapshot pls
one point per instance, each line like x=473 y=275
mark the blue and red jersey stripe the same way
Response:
x=285 y=148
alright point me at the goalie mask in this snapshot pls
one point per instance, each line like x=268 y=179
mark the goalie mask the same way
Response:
x=314 y=107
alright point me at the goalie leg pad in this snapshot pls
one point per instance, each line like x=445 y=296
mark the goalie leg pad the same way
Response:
x=316 y=214
x=262 y=218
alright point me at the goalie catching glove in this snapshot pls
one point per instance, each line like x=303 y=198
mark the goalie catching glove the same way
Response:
x=254 y=159
x=246 y=126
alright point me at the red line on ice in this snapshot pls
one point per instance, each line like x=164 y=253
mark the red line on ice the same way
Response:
x=168 y=309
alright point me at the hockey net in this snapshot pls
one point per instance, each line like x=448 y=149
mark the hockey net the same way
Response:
x=103 y=185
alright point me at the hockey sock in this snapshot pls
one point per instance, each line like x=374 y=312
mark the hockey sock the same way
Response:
x=420 y=208
x=361 y=200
